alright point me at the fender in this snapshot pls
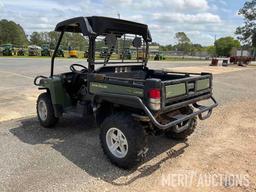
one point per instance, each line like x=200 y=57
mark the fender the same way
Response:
x=59 y=96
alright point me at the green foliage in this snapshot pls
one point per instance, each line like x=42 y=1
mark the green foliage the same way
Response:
x=224 y=45
x=247 y=33
x=182 y=38
x=195 y=48
x=190 y=48
x=166 y=48
x=53 y=39
x=184 y=43
x=35 y=38
x=211 y=50
x=10 y=32
x=74 y=40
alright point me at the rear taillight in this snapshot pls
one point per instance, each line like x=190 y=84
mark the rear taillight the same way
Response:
x=154 y=99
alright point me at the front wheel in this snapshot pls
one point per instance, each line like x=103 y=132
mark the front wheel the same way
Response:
x=123 y=140
x=45 y=112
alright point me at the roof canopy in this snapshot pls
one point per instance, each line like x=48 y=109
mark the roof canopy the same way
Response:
x=94 y=26
x=34 y=47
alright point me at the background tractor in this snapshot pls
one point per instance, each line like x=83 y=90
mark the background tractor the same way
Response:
x=45 y=50
x=34 y=50
x=72 y=52
x=159 y=56
x=21 y=52
x=103 y=52
x=7 y=49
x=60 y=52
x=126 y=54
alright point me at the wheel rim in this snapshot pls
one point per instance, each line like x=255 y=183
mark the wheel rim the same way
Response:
x=117 y=142
x=42 y=110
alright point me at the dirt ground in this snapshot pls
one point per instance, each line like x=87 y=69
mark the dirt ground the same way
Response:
x=219 y=156
x=208 y=69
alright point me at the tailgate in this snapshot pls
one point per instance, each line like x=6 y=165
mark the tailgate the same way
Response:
x=187 y=90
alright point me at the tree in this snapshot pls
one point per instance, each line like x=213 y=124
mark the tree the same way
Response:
x=211 y=50
x=184 y=43
x=35 y=38
x=74 y=40
x=166 y=47
x=196 y=48
x=224 y=45
x=53 y=39
x=182 y=38
x=40 y=38
x=10 y=32
x=247 y=33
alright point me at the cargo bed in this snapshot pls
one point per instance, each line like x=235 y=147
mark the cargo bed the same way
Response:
x=177 y=89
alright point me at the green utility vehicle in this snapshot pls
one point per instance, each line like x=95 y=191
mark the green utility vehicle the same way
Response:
x=21 y=52
x=45 y=50
x=159 y=56
x=126 y=54
x=103 y=52
x=128 y=100
x=7 y=49
x=60 y=52
x=34 y=50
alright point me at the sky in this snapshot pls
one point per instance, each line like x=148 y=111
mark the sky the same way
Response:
x=201 y=20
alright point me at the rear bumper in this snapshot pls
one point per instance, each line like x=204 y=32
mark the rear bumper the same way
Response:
x=200 y=109
x=181 y=118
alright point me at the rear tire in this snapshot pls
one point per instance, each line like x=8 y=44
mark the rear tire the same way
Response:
x=45 y=112
x=184 y=134
x=123 y=140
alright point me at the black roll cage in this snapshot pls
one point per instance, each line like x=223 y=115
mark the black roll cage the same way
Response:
x=97 y=26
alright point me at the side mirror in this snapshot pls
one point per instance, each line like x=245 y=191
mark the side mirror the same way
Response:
x=110 y=40
x=137 y=42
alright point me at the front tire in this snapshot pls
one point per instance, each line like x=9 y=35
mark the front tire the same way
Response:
x=123 y=140
x=45 y=112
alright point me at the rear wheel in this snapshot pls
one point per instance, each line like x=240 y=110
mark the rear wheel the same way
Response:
x=123 y=140
x=45 y=112
x=184 y=134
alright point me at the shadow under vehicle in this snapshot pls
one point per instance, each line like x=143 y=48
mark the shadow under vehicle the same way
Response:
x=77 y=140
x=128 y=100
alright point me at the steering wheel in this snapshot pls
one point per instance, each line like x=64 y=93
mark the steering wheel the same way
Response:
x=74 y=70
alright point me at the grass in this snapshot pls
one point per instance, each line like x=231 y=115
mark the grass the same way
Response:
x=114 y=57
x=35 y=57
x=180 y=59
